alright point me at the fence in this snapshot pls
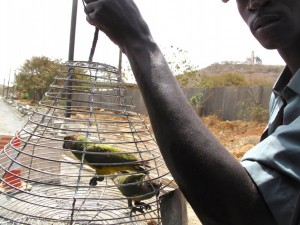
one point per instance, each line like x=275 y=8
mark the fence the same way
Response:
x=232 y=103
x=229 y=103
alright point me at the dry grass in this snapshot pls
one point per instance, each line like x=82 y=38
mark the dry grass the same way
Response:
x=237 y=136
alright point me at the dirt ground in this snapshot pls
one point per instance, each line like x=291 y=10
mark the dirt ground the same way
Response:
x=237 y=136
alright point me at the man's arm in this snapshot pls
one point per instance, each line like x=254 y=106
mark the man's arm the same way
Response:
x=213 y=181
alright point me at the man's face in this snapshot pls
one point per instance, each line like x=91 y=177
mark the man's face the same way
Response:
x=274 y=23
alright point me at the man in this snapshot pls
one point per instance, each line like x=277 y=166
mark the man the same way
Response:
x=218 y=187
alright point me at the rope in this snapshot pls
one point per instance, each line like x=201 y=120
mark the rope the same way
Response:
x=94 y=44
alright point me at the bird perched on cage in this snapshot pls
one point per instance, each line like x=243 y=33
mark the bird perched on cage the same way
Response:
x=136 y=189
x=103 y=158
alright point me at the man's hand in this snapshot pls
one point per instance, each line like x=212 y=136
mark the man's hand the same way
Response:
x=120 y=20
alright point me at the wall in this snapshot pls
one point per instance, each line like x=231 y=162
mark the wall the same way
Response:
x=223 y=101
x=229 y=103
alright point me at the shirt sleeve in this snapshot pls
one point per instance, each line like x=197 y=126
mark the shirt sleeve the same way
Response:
x=274 y=165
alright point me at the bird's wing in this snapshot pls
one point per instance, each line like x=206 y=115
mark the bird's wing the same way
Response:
x=98 y=153
x=129 y=190
x=133 y=178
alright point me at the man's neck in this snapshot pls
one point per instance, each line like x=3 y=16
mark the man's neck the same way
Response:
x=291 y=56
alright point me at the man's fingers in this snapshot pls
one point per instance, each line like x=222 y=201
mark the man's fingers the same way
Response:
x=89 y=8
x=88 y=18
x=91 y=20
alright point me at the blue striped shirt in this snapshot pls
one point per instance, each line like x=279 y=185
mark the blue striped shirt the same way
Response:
x=274 y=163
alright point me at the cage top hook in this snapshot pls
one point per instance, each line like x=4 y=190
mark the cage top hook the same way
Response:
x=94 y=44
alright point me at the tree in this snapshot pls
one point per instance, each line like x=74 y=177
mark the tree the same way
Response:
x=258 y=60
x=36 y=75
x=178 y=61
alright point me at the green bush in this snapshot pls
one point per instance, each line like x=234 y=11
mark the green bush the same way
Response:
x=251 y=111
x=196 y=99
x=230 y=79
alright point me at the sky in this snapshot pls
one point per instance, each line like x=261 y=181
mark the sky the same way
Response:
x=209 y=31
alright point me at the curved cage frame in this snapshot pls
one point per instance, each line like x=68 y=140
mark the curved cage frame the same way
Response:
x=87 y=99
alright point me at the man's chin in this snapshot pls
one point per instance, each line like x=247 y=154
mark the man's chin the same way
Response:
x=270 y=43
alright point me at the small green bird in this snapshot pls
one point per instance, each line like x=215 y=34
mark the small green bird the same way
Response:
x=136 y=189
x=103 y=158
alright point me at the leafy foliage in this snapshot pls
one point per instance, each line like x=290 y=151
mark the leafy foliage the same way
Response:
x=197 y=102
x=36 y=75
x=230 y=79
x=226 y=79
x=252 y=111
x=179 y=62
x=196 y=99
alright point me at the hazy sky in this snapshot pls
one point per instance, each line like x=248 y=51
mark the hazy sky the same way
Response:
x=209 y=30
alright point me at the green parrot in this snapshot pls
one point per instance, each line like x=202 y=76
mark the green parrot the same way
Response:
x=136 y=189
x=103 y=154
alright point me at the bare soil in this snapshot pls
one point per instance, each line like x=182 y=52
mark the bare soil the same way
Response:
x=237 y=136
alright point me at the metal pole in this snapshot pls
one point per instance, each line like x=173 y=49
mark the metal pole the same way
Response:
x=120 y=64
x=73 y=30
x=13 y=87
x=8 y=85
x=3 y=87
x=71 y=56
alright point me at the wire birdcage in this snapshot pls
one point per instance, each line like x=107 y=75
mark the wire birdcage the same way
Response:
x=52 y=185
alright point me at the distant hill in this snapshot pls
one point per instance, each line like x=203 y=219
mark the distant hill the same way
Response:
x=254 y=72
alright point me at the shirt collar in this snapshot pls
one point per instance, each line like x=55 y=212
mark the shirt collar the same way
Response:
x=294 y=83
x=282 y=81
x=287 y=82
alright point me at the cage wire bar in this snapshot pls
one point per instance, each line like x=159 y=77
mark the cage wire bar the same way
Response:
x=43 y=183
x=54 y=184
